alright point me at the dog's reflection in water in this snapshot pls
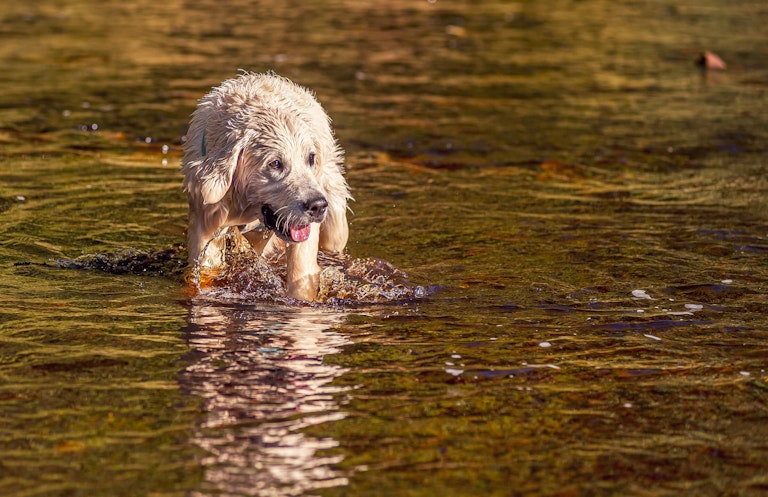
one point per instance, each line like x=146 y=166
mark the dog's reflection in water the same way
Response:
x=261 y=374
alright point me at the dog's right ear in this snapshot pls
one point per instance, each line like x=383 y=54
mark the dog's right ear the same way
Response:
x=212 y=152
x=217 y=168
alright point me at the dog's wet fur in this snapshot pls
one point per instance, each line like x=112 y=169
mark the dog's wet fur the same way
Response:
x=260 y=154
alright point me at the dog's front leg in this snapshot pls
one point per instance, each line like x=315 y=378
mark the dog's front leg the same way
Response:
x=303 y=279
x=204 y=220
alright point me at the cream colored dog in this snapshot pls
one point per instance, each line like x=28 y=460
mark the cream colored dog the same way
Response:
x=260 y=152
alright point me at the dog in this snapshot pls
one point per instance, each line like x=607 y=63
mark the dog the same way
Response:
x=260 y=154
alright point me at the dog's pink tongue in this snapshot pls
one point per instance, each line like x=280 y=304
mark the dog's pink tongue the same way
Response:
x=300 y=233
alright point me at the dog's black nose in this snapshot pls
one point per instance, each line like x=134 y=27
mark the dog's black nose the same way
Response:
x=316 y=207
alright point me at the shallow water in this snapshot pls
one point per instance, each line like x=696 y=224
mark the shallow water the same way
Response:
x=587 y=207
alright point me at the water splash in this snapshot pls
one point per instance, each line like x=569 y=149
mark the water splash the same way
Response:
x=169 y=261
x=245 y=275
x=343 y=279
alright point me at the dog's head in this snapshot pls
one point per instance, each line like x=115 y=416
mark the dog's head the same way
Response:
x=265 y=146
x=281 y=171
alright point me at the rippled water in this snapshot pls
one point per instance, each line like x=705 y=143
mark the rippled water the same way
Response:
x=586 y=207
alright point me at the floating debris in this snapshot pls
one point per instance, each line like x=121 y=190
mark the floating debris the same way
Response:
x=709 y=60
x=641 y=294
x=457 y=31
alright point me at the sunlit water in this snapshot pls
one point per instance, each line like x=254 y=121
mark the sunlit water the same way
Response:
x=584 y=208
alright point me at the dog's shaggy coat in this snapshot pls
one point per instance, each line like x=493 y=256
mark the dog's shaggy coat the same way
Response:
x=260 y=152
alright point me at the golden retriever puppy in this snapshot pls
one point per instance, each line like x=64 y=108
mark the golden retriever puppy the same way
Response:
x=260 y=152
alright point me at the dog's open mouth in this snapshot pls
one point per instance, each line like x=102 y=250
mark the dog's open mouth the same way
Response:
x=291 y=233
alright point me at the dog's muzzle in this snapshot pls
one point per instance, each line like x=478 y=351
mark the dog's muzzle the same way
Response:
x=314 y=212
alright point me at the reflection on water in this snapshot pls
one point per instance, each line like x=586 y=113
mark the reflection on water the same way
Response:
x=262 y=376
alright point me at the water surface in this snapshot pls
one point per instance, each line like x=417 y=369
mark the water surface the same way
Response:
x=587 y=206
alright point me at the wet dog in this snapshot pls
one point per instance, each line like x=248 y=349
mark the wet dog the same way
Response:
x=260 y=154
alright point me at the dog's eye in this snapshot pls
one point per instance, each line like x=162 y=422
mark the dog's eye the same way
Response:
x=312 y=159
x=276 y=164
